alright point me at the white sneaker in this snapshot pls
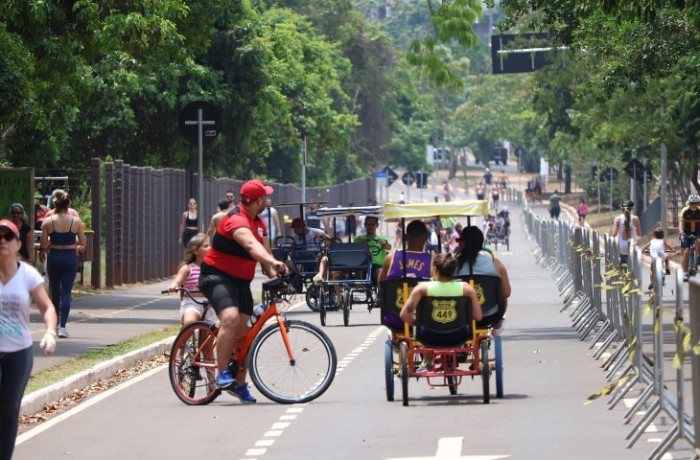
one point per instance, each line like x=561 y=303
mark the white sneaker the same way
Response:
x=62 y=333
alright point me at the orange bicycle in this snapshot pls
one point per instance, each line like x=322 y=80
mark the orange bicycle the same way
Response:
x=290 y=361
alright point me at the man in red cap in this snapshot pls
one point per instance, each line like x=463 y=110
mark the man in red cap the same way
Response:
x=226 y=273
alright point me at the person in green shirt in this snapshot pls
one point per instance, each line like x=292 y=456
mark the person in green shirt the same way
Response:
x=378 y=245
x=554 y=208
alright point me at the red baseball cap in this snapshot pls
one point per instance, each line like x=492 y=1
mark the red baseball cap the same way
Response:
x=10 y=225
x=254 y=189
x=297 y=223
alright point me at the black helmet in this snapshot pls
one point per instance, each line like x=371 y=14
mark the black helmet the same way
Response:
x=629 y=204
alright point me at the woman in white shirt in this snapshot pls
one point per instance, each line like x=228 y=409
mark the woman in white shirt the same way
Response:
x=20 y=285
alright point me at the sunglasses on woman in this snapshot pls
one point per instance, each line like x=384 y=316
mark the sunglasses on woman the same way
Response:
x=8 y=236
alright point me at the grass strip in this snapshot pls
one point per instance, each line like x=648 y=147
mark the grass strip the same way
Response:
x=47 y=377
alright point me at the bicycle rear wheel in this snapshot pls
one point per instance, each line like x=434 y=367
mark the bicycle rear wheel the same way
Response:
x=288 y=382
x=192 y=366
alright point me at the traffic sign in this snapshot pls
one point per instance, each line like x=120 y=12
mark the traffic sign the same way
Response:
x=189 y=121
x=391 y=176
x=422 y=180
x=408 y=178
x=380 y=174
x=609 y=173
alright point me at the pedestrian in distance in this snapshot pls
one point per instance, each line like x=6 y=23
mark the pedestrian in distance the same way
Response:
x=488 y=177
x=582 y=211
x=26 y=235
x=226 y=273
x=22 y=285
x=272 y=221
x=626 y=228
x=216 y=218
x=658 y=247
x=188 y=277
x=231 y=199
x=189 y=223
x=446 y=190
x=62 y=238
x=554 y=209
x=52 y=211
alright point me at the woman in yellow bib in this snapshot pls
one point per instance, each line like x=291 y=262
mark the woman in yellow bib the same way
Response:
x=443 y=268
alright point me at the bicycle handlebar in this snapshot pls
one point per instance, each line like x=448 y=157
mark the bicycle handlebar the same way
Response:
x=198 y=300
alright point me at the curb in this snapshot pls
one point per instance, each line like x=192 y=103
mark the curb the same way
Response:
x=35 y=402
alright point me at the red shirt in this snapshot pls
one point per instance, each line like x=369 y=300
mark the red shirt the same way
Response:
x=226 y=254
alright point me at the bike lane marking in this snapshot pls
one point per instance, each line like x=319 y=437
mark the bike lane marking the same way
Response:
x=451 y=449
x=277 y=429
x=26 y=436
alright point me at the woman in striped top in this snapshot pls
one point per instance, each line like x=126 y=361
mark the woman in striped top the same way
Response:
x=188 y=277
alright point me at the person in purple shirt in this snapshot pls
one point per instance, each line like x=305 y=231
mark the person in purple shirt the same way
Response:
x=417 y=260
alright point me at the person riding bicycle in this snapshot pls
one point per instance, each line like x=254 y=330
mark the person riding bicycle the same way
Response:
x=626 y=228
x=378 y=245
x=443 y=268
x=474 y=259
x=689 y=223
x=306 y=237
x=225 y=276
x=418 y=261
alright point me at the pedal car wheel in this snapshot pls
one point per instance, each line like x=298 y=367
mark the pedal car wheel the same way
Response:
x=389 y=369
x=452 y=384
x=322 y=300
x=498 y=367
x=347 y=304
x=312 y=297
x=485 y=370
x=404 y=373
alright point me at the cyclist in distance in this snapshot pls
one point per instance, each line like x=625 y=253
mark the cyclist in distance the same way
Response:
x=689 y=223
x=226 y=272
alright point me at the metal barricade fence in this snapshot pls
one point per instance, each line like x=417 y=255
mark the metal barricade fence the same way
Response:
x=574 y=257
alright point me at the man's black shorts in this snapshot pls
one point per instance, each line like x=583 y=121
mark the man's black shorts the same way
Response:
x=224 y=290
x=685 y=241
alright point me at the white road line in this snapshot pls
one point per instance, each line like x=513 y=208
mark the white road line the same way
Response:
x=26 y=436
x=277 y=429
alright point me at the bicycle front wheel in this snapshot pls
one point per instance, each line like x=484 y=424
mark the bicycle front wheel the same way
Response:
x=192 y=366
x=304 y=378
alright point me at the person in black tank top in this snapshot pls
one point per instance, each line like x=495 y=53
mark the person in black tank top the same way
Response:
x=189 y=223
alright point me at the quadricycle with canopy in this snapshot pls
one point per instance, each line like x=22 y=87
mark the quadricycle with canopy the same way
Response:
x=409 y=352
x=346 y=275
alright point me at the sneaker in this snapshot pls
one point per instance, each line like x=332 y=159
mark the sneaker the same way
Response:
x=318 y=279
x=685 y=278
x=650 y=286
x=63 y=333
x=224 y=379
x=668 y=271
x=241 y=392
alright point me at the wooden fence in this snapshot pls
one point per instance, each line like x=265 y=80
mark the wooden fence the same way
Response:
x=136 y=215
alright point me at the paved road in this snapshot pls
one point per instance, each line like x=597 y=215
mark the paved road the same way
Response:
x=549 y=374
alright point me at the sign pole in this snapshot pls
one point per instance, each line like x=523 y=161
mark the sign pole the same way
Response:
x=600 y=203
x=303 y=171
x=191 y=122
x=200 y=165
